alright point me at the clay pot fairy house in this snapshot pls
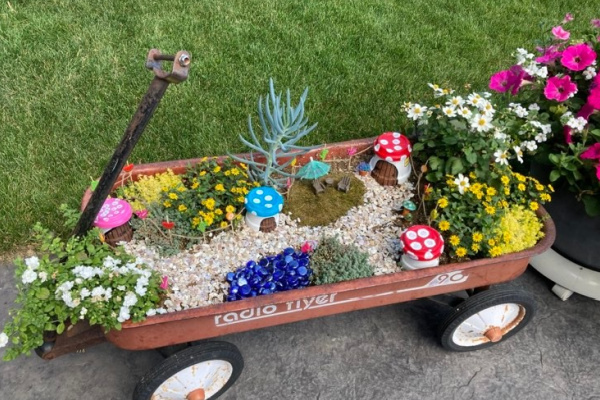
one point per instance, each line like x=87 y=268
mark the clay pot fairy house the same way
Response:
x=113 y=219
x=421 y=246
x=263 y=205
x=391 y=163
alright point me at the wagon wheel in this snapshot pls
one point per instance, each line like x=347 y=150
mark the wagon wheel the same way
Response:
x=199 y=372
x=486 y=318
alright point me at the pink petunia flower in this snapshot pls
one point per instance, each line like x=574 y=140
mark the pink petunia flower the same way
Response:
x=568 y=18
x=509 y=79
x=142 y=214
x=549 y=55
x=592 y=152
x=560 y=33
x=578 y=57
x=559 y=89
x=595 y=23
x=594 y=97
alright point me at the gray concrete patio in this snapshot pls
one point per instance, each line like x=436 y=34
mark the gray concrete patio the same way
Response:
x=389 y=352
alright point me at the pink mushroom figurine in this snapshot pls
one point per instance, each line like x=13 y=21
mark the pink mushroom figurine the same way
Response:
x=113 y=219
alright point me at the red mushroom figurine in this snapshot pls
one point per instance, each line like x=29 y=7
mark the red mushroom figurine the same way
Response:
x=422 y=246
x=391 y=162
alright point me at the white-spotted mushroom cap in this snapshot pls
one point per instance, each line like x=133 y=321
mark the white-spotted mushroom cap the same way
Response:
x=392 y=146
x=422 y=243
x=114 y=212
x=264 y=201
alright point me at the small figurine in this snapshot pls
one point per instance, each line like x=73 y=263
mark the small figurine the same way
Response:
x=318 y=186
x=344 y=184
x=363 y=168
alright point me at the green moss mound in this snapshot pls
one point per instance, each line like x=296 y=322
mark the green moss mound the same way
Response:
x=320 y=210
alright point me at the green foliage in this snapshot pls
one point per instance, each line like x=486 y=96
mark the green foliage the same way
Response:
x=282 y=127
x=74 y=279
x=333 y=262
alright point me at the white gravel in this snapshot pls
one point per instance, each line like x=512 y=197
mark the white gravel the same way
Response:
x=197 y=276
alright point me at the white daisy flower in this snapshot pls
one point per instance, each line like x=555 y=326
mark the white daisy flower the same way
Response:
x=416 y=112
x=481 y=123
x=474 y=99
x=519 y=153
x=487 y=108
x=449 y=112
x=465 y=112
x=501 y=157
x=500 y=135
x=462 y=182
x=456 y=101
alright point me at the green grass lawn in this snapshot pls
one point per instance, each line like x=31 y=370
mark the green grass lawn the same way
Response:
x=72 y=73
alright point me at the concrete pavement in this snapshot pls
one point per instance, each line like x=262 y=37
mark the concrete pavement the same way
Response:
x=389 y=352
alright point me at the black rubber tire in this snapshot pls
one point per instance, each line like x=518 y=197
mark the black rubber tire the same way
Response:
x=480 y=302
x=185 y=358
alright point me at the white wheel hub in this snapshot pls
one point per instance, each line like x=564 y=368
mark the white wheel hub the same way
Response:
x=210 y=376
x=485 y=325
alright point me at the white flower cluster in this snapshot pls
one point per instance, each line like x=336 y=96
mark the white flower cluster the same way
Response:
x=3 y=339
x=29 y=275
x=527 y=61
x=590 y=72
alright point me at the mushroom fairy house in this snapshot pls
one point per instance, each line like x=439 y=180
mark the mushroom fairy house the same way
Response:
x=391 y=163
x=113 y=220
x=263 y=205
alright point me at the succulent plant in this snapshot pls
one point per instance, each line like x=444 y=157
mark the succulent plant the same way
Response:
x=282 y=127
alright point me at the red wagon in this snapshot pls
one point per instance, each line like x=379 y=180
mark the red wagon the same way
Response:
x=480 y=316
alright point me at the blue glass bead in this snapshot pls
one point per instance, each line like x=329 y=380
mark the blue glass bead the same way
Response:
x=239 y=273
x=293 y=264
x=271 y=286
x=288 y=259
x=263 y=262
x=253 y=293
x=234 y=288
x=250 y=264
x=303 y=262
x=305 y=255
x=288 y=251
x=280 y=264
x=255 y=281
x=230 y=276
x=291 y=280
x=302 y=271
x=262 y=272
x=264 y=291
x=242 y=281
x=278 y=274
x=231 y=298
x=291 y=272
x=245 y=290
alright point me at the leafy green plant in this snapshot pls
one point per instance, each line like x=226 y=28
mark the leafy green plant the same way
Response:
x=282 y=127
x=459 y=135
x=333 y=262
x=75 y=279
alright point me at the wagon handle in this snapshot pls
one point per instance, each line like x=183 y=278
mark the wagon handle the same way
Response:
x=158 y=86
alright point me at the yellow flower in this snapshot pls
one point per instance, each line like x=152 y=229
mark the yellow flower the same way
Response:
x=443 y=202
x=182 y=208
x=477 y=236
x=235 y=171
x=167 y=203
x=488 y=199
x=239 y=216
x=519 y=177
x=216 y=169
x=539 y=187
x=491 y=191
x=475 y=247
x=444 y=225
x=208 y=220
x=209 y=203
x=521 y=187
x=230 y=209
x=195 y=185
x=495 y=251
x=550 y=188
x=461 y=252
x=240 y=199
x=504 y=204
x=227 y=173
x=476 y=187
x=505 y=180
x=202 y=173
x=545 y=197
x=490 y=210
x=492 y=242
x=506 y=236
x=181 y=189
x=506 y=191
x=472 y=175
x=479 y=195
x=195 y=221
x=450 y=182
x=454 y=240
x=256 y=184
x=245 y=191
x=218 y=211
x=165 y=189
x=203 y=159
x=219 y=187
x=243 y=166
x=534 y=205
x=173 y=196
x=223 y=224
